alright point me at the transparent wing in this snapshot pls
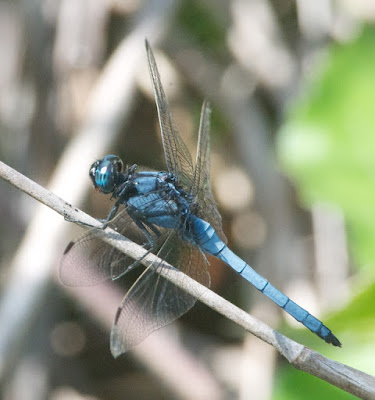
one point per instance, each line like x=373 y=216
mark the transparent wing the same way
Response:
x=201 y=186
x=177 y=155
x=88 y=260
x=153 y=302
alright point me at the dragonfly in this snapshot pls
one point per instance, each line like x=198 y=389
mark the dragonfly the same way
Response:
x=172 y=214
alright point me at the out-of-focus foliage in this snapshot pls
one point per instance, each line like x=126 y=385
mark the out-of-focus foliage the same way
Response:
x=296 y=385
x=244 y=56
x=199 y=22
x=327 y=144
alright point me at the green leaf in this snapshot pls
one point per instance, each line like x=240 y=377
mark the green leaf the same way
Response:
x=327 y=144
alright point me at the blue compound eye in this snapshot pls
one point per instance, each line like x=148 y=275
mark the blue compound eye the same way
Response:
x=104 y=173
x=104 y=177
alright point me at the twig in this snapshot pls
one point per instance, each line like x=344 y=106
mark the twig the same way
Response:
x=340 y=375
x=29 y=273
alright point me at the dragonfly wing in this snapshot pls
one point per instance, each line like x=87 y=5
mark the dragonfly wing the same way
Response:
x=88 y=260
x=153 y=302
x=177 y=155
x=201 y=186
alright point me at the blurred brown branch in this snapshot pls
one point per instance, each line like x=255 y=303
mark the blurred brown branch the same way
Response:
x=301 y=357
x=69 y=70
x=109 y=105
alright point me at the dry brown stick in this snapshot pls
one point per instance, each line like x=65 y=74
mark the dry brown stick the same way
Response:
x=349 y=379
x=29 y=273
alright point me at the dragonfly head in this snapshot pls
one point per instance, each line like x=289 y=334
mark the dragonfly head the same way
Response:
x=105 y=173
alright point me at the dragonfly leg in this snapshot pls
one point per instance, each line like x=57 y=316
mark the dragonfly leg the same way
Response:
x=142 y=226
x=111 y=215
x=104 y=222
x=130 y=267
x=150 y=245
x=153 y=228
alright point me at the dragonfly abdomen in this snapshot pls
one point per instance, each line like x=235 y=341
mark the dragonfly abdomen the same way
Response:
x=209 y=241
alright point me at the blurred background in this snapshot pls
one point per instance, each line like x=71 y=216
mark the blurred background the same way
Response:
x=292 y=87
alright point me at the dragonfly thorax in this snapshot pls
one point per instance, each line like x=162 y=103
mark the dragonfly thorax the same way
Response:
x=156 y=197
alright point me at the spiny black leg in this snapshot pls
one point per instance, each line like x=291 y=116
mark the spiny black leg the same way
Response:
x=135 y=264
x=145 y=232
x=111 y=215
x=153 y=228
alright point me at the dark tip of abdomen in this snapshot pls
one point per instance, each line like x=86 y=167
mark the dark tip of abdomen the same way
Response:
x=332 y=339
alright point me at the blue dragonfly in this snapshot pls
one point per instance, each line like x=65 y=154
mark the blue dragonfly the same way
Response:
x=173 y=215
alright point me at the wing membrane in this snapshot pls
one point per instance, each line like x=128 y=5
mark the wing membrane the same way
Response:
x=88 y=260
x=177 y=155
x=153 y=302
x=201 y=186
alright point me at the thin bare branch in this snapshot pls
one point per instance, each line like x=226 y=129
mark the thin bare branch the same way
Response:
x=301 y=357
x=30 y=271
